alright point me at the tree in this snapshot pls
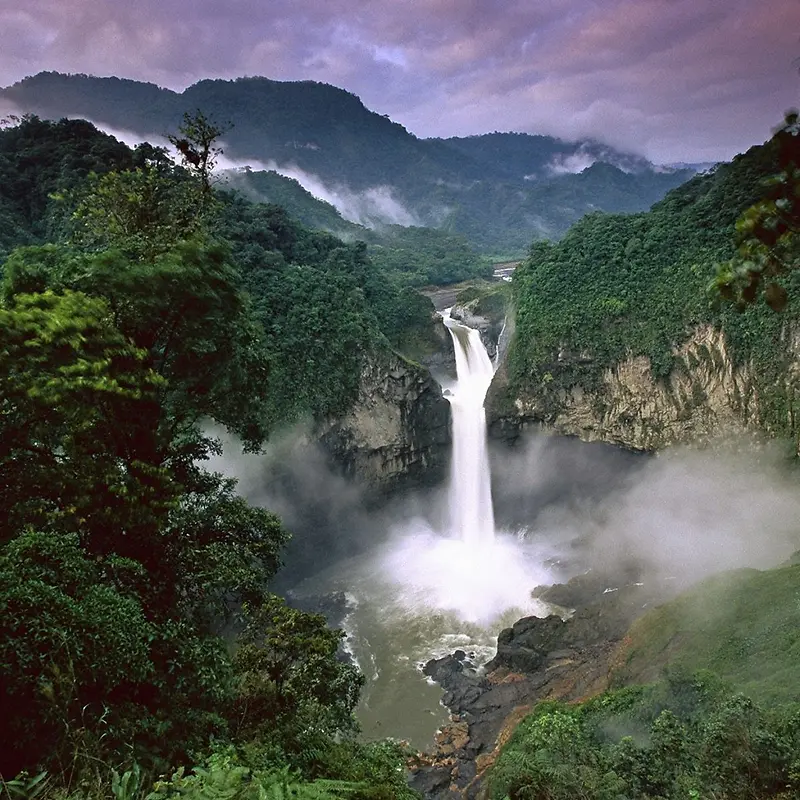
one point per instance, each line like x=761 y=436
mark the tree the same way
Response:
x=768 y=233
x=141 y=212
x=292 y=685
x=78 y=423
x=185 y=309
x=196 y=144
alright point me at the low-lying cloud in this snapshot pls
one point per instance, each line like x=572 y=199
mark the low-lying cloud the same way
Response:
x=371 y=208
x=683 y=514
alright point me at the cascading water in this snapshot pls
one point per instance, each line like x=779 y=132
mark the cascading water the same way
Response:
x=429 y=589
x=470 y=492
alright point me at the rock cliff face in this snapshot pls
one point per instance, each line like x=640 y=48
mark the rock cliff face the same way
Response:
x=704 y=395
x=398 y=431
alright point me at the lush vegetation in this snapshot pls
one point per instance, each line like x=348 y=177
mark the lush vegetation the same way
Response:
x=689 y=736
x=743 y=625
x=768 y=233
x=425 y=256
x=706 y=704
x=637 y=285
x=499 y=190
x=141 y=307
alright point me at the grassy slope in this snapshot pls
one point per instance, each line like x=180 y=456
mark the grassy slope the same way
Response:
x=743 y=625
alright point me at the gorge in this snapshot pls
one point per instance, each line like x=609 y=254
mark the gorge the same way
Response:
x=215 y=424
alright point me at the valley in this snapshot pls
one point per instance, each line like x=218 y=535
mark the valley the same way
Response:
x=451 y=496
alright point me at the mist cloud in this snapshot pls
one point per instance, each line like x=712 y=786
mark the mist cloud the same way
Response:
x=692 y=80
x=683 y=514
x=370 y=208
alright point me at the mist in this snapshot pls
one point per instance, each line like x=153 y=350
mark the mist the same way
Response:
x=680 y=515
x=371 y=208
x=562 y=507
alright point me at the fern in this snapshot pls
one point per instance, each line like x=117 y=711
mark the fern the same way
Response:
x=24 y=788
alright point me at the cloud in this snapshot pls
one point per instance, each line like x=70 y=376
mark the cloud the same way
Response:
x=672 y=79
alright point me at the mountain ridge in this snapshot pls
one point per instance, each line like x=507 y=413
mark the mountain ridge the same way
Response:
x=499 y=190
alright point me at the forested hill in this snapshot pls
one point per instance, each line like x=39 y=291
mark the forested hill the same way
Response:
x=138 y=305
x=619 y=287
x=499 y=190
x=61 y=182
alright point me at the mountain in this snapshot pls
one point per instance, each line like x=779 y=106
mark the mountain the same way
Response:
x=499 y=190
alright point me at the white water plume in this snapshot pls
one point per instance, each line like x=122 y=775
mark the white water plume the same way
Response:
x=470 y=496
x=469 y=571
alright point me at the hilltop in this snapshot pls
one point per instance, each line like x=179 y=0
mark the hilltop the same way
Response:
x=499 y=190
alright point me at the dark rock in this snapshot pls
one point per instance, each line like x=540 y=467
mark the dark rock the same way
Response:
x=524 y=646
x=397 y=433
x=430 y=781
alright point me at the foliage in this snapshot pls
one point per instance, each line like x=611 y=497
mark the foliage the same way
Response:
x=620 y=286
x=79 y=406
x=499 y=190
x=121 y=558
x=743 y=625
x=139 y=212
x=686 y=737
x=272 y=188
x=422 y=256
x=768 y=233
x=289 y=673
x=183 y=308
x=39 y=159
x=196 y=142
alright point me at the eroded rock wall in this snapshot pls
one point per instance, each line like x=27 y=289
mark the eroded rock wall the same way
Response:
x=398 y=431
x=704 y=395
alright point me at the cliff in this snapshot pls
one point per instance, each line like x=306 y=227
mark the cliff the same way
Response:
x=398 y=431
x=704 y=395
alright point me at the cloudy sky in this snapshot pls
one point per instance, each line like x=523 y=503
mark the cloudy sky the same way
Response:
x=672 y=79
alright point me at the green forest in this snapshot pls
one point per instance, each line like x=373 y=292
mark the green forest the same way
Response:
x=140 y=648
x=638 y=284
x=497 y=191
x=703 y=699
x=142 y=653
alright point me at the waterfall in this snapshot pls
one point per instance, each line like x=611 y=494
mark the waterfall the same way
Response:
x=470 y=493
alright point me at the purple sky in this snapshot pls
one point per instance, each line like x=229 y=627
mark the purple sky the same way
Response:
x=672 y=79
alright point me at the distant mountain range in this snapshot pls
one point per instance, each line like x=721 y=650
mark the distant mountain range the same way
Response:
x=500 y=190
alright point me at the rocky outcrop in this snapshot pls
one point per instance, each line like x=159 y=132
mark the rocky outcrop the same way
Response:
x=488 y=324
x=704 y=395
x=398 y=430
x=549 y=658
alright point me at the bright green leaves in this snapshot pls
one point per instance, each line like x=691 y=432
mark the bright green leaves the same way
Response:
x=77 y=411
x=139 y=212
x=687 y=737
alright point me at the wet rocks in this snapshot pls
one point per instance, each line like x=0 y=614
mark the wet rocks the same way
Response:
x=537 y=658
